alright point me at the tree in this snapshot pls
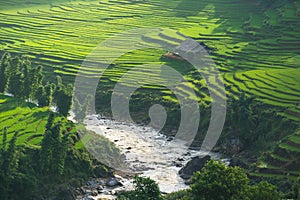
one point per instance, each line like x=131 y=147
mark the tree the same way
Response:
x=81 y=110
x=10 y=160
x=17 y=182
x=50 y=121
x=264 y=190
x=26 y=68
x=63 y=98
x=241 y=118
x=4 y=66
x=46 y=152
x=58 y=149
x=4 y=138
x=63 y=101
x=16 y=85
x=15 y=66
x=3 y=178
x=40 y=96
x=8 y=167
x=36 y=76
x=20 y=78
x=53 y=150
x=46 y=146
x=3 y=149
x=295 y=194
x=60 y=153
x=77 y=108
x=15 y=76
x=145 y=189
x=44 y=95
x=48 y=94
x=218 y=182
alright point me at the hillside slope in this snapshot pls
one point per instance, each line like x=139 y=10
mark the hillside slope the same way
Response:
x=255 y=46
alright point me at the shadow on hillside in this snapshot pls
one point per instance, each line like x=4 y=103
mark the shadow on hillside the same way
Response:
x=183 y=9
x=11 y=103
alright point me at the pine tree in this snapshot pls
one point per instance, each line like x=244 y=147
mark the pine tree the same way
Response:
x=4 y=66
x=63 y=99
x=40 y=96
x=81 y=110
x=37 y=78
x=76 y=108
x=26 y=65
x=16 y=85
x=44 y=95
x=13 y=73
x=4 y=138
x=50 y=121
x=48 y=94
x=59 y=151
x=10 y=160
x=46 y=152
x=8 y=168
x=53 y=149
x=59 y=86
x=3 y=178
x=15 y=66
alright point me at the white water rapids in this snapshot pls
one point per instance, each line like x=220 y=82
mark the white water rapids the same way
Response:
x=147 y=151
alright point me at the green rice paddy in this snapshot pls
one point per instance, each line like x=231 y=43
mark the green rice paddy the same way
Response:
x=251 y=47
x=255 y=46
x=26 y=118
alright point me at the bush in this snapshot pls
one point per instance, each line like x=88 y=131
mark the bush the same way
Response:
x=264 y=190
x=216 y=181
x=145 y=189
x=180 y=195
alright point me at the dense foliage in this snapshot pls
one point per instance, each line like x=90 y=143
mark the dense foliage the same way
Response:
x=215 y=181
x=28 y=173
x=229 y=182
x=22 y=80
x=254 y=123
x=145 y=189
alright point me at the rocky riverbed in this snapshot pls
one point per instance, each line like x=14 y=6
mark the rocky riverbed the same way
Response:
x=147 y=152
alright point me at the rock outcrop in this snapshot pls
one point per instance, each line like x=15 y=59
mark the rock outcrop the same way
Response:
x=196 y=164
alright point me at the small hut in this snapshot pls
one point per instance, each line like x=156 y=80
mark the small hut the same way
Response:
x=187 y=49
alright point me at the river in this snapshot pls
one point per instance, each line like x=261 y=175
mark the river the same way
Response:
x=147 y=151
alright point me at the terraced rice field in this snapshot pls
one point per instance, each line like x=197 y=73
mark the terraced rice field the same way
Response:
x=276 y=86
x=284 y=160
x=240 y=38
x=26 y=118
x=255 y=46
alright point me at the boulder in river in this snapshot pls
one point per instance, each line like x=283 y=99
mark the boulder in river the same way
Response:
x=180 y=159
x=196 y=164
x=88 y=198
x=113 y=182
x=178 y=164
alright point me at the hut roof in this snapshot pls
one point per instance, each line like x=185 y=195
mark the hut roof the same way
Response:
x=189 y=46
